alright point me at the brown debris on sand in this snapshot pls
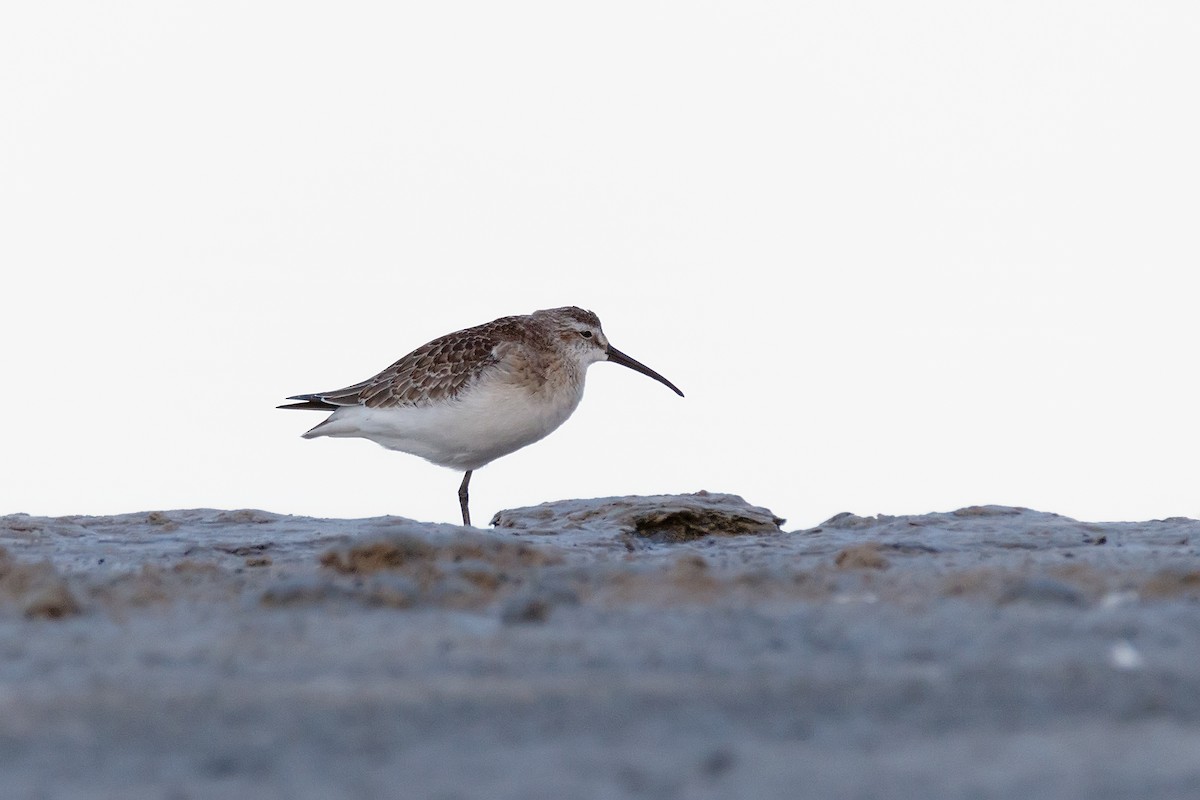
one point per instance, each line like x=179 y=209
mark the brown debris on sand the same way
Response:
x=861 y=556
x=398 y=551
x=37 y=589
x=464 y=570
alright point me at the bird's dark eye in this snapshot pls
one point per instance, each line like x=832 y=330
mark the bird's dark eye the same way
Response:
x=586 y=334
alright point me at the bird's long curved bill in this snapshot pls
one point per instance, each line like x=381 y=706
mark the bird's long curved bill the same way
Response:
x=617 y=357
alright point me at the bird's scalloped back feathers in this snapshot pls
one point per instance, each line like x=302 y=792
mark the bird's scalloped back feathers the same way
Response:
x=434 y=372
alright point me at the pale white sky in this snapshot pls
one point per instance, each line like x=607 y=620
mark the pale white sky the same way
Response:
x=901 y=257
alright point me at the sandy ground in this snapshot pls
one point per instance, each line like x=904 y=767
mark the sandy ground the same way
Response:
x=657 y=647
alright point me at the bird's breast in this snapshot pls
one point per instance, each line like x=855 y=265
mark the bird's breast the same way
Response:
x=498 y=418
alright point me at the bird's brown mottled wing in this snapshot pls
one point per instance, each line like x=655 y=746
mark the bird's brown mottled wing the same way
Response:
x=434 y=372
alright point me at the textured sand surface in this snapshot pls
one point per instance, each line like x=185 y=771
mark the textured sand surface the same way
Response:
x=662 y=647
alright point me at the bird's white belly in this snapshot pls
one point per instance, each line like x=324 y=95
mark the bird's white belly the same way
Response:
x=465 y=433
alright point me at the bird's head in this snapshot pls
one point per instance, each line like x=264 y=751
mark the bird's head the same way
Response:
x=579 y=331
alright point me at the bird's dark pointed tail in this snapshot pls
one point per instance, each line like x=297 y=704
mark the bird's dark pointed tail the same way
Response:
x=311 y=402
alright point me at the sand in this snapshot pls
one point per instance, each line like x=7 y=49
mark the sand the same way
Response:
x=653 y=647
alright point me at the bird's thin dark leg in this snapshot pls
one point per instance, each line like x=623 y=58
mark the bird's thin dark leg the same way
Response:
x=462 y=498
